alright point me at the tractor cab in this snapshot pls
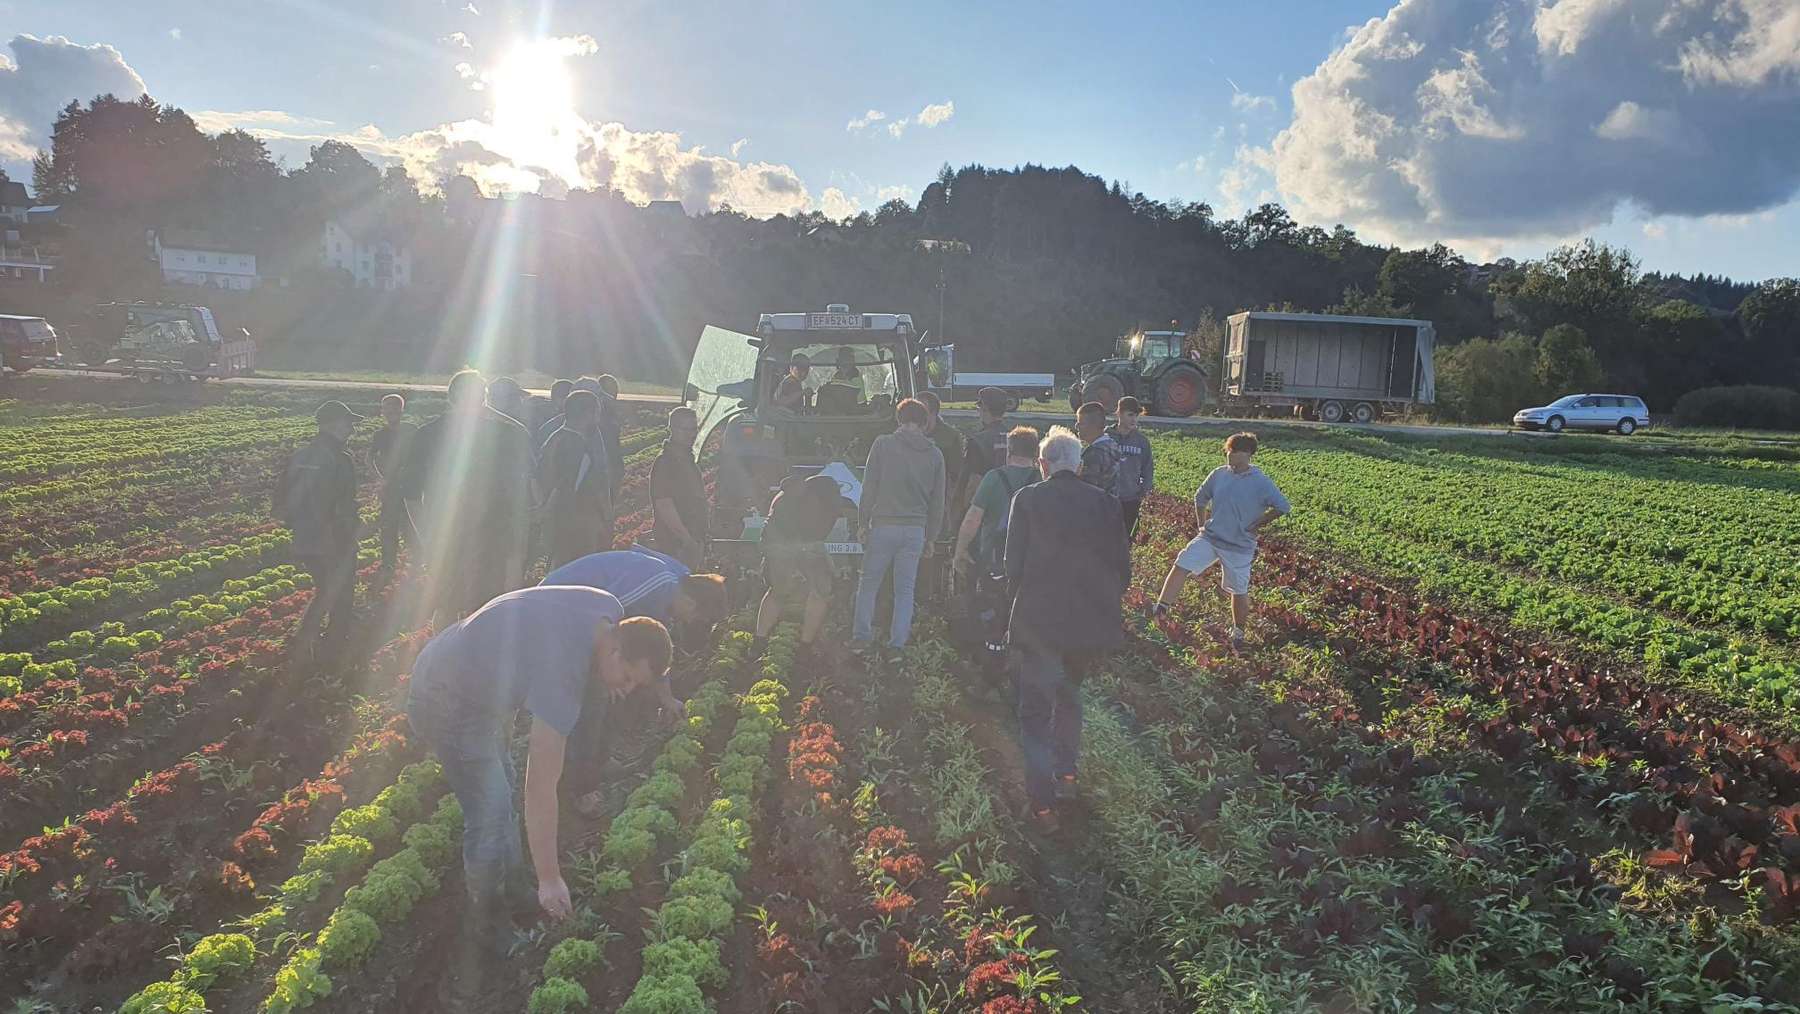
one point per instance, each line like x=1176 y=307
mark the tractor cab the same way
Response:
x=808 y=392
x=1152 y=366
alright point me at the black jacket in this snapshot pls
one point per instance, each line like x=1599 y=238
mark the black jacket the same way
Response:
x=1067 y=565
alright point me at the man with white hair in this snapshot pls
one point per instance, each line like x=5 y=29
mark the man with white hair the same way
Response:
x=1067 y=565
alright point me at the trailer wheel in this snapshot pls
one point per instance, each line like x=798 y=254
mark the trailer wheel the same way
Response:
x=1179 y=393
x=1331 y=411
x=1362 y=412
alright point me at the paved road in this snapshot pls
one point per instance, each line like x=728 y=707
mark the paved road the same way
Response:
x=1209 y=423
x=333 y=385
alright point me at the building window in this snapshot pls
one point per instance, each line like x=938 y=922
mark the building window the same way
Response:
x=201 y=258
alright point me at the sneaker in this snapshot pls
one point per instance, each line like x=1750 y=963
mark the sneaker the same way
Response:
x=892 y=656
x=862 y=649
x=1159 y=610
x=1043 y=819
x=1237 y=638
x=1067 y=787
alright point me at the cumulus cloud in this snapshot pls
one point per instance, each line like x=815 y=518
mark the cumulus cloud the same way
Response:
x=935 y=114
x=862 y=122
x=738 y=146
x=175 y=33
x=44 y=75
x=458 y=39
x=1537 y=118
x=839 y=205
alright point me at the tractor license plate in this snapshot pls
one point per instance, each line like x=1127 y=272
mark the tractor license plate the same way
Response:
x=833 y=320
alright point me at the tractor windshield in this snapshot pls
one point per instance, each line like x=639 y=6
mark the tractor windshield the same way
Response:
x=721 y=379
x=845 y=377
x=1127 y=347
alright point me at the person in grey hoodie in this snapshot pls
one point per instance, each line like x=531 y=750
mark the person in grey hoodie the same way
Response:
x=901 y=510
x=1137 y=469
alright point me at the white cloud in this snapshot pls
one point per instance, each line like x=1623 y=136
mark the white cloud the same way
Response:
x=175 y=33
x=1629 y=121
x=214 y=120
x=1245 y=102
x=863 y=121
x=1516 y=119
x=1655 y=230
x=737 y=146
x=839 y=205
x=470 y=8
x=898 y=192
x=574 y=45
x=1196 y=164
x=44 y=75
x=1248 y=180
x=458 y=39
x=898 y=127
x=935 y=114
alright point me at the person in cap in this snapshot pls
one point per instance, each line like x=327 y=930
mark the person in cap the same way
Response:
x=316 y=498
x=794 y=560
x=790 y=394
x=386 y=448
x=849 y=375
x=985 y=449
x=535 y=650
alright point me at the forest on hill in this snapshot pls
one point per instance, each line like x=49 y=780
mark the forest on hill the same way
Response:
x=1029 y=268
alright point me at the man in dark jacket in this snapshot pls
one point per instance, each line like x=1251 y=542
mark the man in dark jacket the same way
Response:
x=319 y=504
x=575 y=485
x=1136 y=474
x=985 y=449
x=1067 y=566
x=678 y=499
x=470 y=472
x=1099 y=453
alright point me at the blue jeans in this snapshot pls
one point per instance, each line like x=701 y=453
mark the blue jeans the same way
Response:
x=476 y=754
x=1049 y=722
x=890 y=546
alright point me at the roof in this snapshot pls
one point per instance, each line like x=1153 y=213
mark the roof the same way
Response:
x=189 y=239
x=13 y=192
x=1332 y=317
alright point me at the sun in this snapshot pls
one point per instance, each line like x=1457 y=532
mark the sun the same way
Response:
x=534 y=119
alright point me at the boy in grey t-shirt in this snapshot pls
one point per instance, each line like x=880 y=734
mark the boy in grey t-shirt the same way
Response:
x=1231 y=507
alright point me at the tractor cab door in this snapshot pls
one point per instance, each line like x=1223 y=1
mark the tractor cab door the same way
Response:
x=721 y=379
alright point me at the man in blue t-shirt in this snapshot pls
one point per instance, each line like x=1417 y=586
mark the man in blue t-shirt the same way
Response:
x=646 y=583
x=538 y=650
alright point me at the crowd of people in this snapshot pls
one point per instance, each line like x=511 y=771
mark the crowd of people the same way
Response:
x=1041 y=526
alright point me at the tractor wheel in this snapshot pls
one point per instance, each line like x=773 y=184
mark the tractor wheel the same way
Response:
x=1104 y=389
x=1179 y=393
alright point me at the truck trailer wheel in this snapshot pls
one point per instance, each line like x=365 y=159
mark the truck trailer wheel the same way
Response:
x=1362 y=412
x=1331 y=411
x=1104 y=389
x=1179 y=393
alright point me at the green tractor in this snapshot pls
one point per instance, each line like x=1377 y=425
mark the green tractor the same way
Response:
x=1151 y=366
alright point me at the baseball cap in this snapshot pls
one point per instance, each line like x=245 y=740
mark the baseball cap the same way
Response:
x=993 y=399
x=334 y=411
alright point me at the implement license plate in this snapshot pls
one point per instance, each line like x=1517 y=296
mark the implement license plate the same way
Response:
x=833 y=320
x=843 y=548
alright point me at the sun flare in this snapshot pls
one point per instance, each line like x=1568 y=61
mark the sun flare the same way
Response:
x=534 y=118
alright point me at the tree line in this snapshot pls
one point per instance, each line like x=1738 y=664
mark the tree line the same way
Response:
x=1029 y=268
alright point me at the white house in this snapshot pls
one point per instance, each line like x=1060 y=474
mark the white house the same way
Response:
x=188 y=258
x=371 y=262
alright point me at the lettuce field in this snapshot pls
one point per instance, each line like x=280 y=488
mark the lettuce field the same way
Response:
x=1517 y=729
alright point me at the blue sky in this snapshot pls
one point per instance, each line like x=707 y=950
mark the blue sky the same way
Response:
x=753 y=103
